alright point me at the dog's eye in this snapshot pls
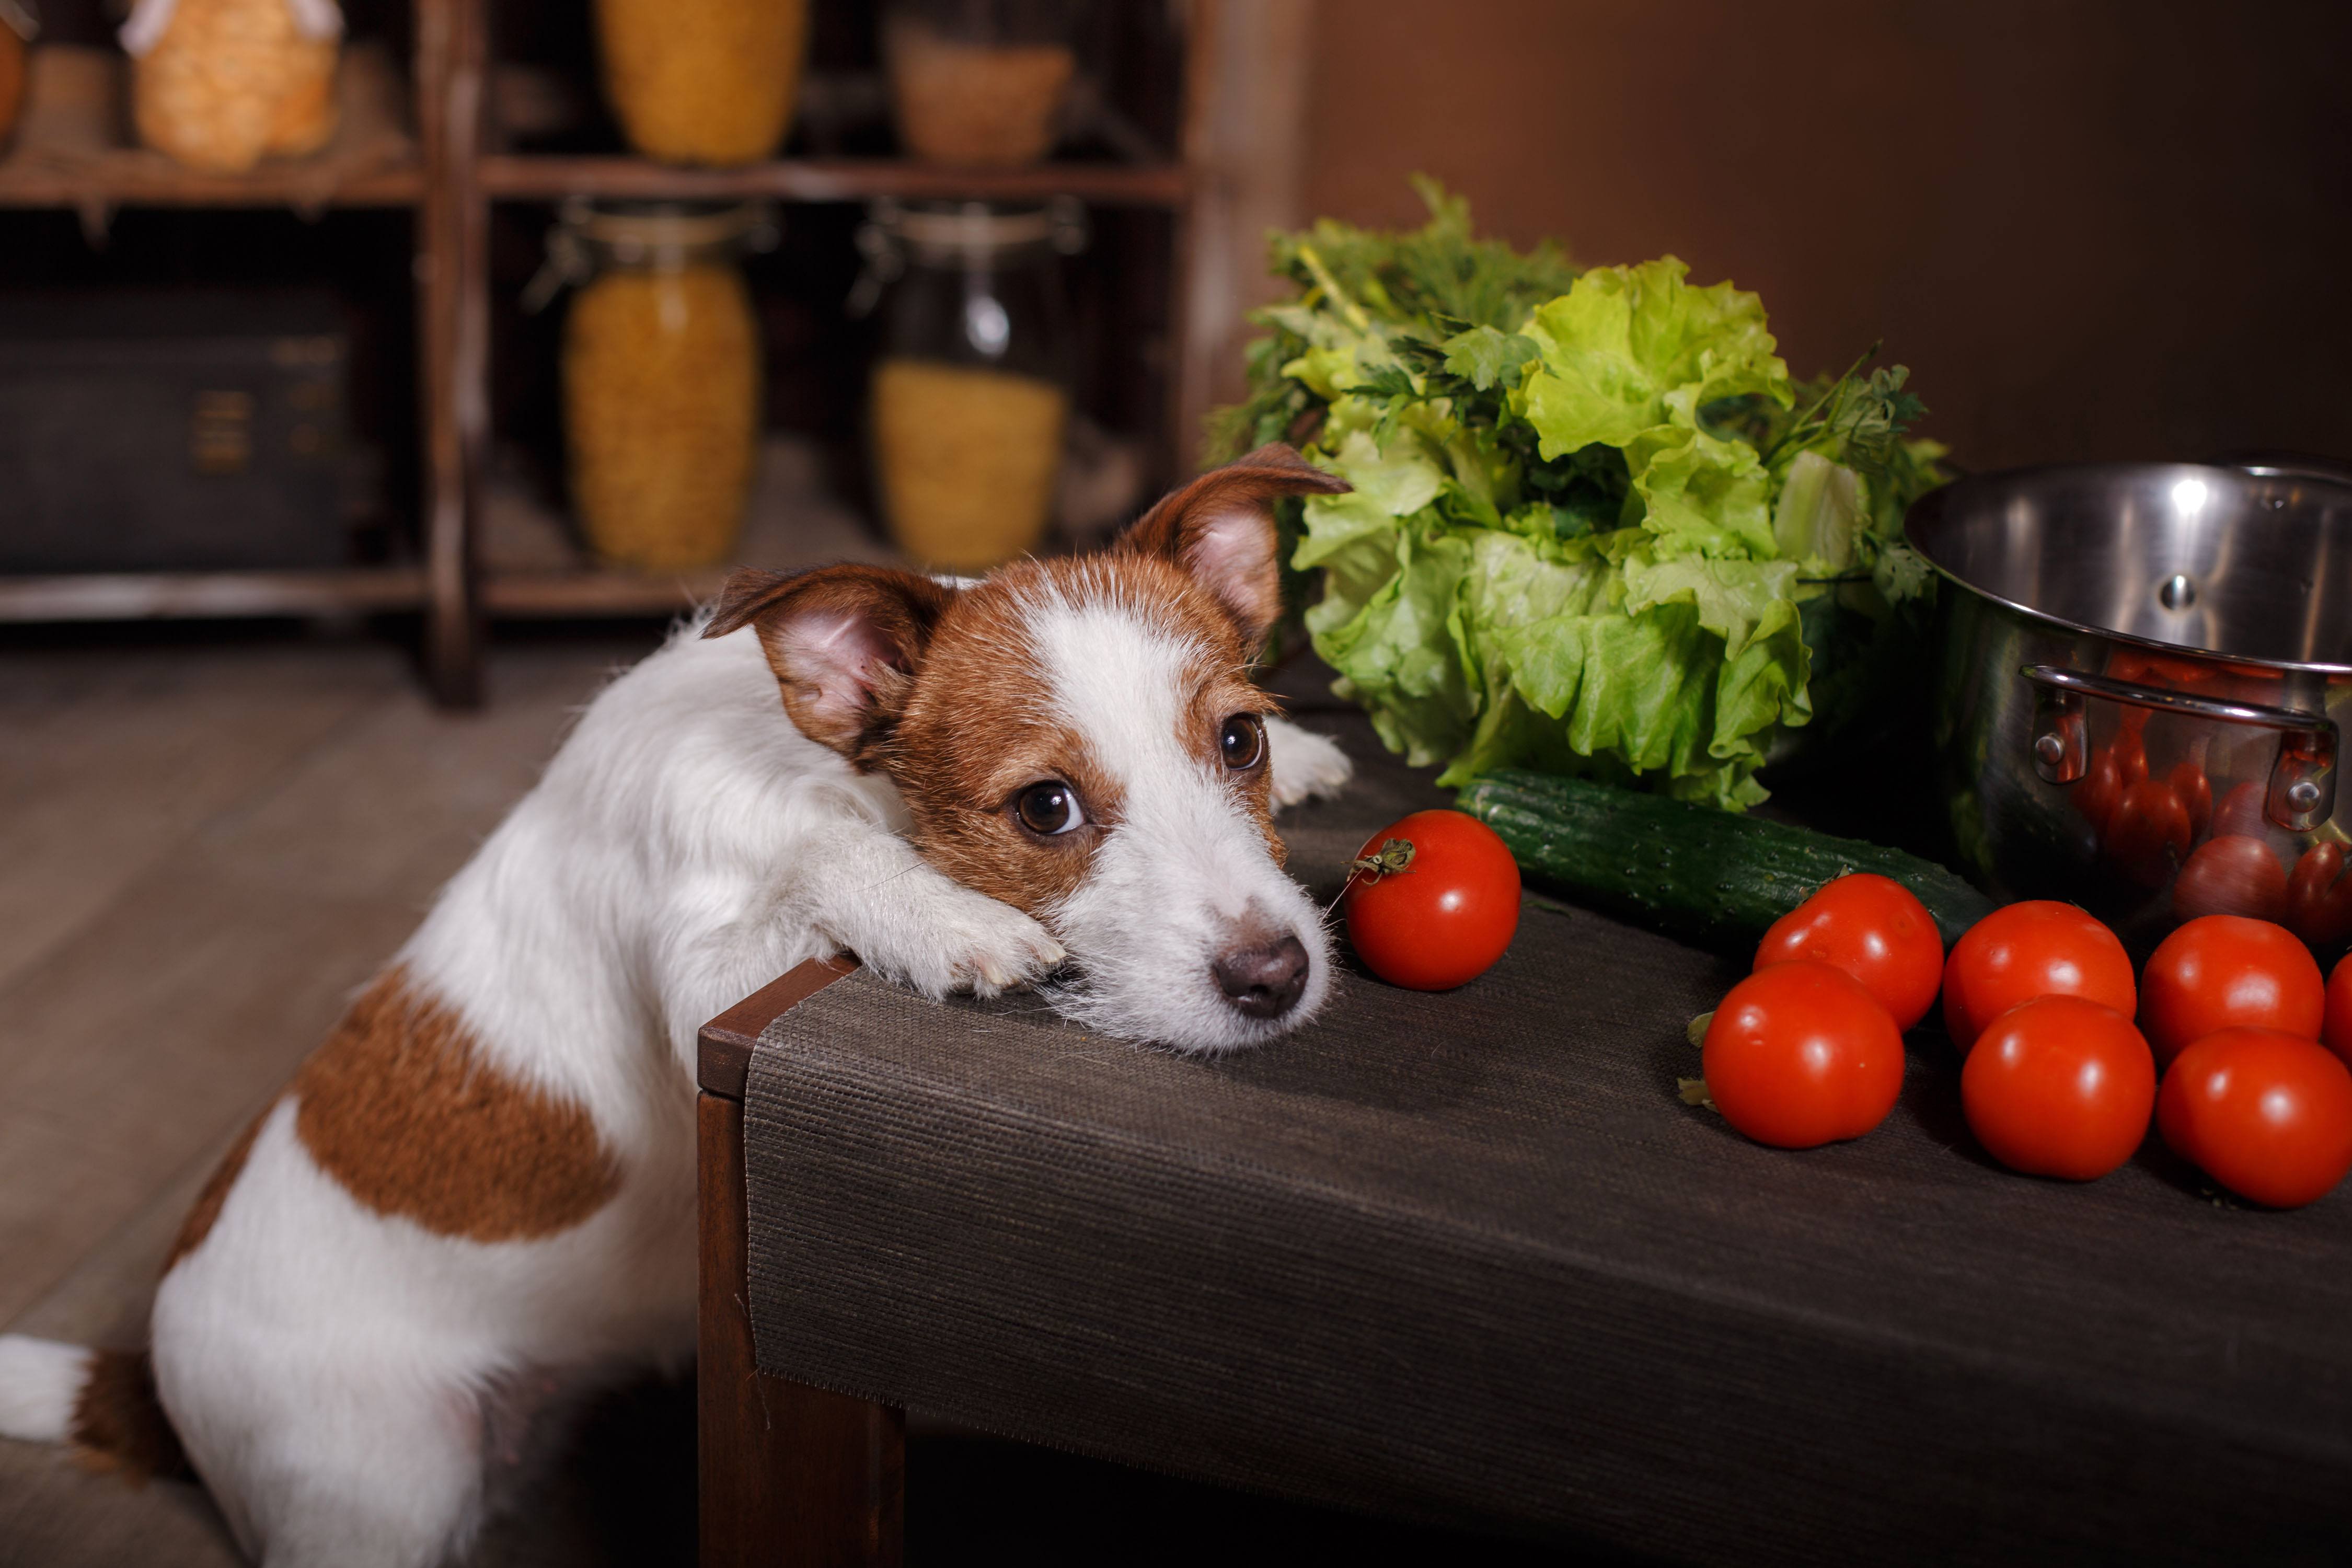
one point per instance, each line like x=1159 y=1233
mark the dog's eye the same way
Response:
x=1049 y=808
x=1244 y=742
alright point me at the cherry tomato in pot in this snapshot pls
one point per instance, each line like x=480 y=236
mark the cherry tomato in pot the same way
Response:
x=2240 y=811
x=1801 y=1054
x=1874 y=928
x=2147 y=833
x=2038 y=948
x=2196 y=791
x=2060 y=1086
x=2319 y=898
x=2096 y=792
x=1447 y=915
x=2235 y=874
x=2267 y=1114
x=2225 y=971
x=2130 y=750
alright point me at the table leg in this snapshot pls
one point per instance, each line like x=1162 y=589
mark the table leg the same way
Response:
x=791 y=1476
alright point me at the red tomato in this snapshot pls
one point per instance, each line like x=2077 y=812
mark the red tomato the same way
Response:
x=2336 y=1028
x=2319 y=898
x=2039 y=948
x=2060 y=1087
x=2223 y=971
x=2235 y=874
x=2148 y=834
x=2129 y=750
x=2096 y=792
x=1801 y=1054
x=2241 y=810
x=2196 y=791
x=1875 y=929
x=1446 y=919
x=2267 y=1114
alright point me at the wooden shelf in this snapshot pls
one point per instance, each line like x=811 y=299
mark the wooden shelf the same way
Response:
x=546 y=595
x=517 y=177
x=68 y=152
x=219 y=596
x=531 y=566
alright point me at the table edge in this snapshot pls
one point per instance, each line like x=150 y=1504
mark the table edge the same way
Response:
x=724 y=1045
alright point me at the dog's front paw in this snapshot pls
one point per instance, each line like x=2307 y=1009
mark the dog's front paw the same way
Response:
x=1306 y=765
x=964 y=940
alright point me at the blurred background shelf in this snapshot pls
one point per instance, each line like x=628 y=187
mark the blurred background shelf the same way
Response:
x=531 y=567
x=222 y=595
x=546 y=178
x=70 y=150
x=463 y=126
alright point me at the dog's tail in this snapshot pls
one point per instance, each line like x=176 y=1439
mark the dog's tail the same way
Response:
x=101 y=1402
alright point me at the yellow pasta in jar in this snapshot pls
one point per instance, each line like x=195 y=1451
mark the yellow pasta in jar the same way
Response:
x=703 y=81
x=967 y=459
x=661 y=402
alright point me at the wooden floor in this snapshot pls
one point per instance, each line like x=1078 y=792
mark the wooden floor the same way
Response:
x=206 y=844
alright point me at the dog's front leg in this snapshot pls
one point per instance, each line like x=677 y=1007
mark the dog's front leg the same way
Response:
x=868 y=891
x=1306 y=765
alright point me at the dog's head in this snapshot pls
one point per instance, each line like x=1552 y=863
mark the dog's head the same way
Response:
x=1080 y=739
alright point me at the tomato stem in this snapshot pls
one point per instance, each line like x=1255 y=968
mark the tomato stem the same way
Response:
x=1393 y=859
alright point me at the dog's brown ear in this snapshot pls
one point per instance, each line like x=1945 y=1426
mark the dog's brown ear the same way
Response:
x=1220 y=528
x=845 y=642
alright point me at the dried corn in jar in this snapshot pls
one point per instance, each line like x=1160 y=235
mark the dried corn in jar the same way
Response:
x=219 y=85
x=969 y=395
x=703 y=81
x=978 y=82
x=661 y=378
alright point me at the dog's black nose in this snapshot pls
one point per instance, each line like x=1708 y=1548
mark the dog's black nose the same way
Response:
x=1264 y=981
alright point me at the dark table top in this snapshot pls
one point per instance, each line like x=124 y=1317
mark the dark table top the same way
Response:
x=1469 y=1255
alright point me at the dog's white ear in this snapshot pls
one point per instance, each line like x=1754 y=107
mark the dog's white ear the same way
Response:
x=845 y=642
x=1220 y=528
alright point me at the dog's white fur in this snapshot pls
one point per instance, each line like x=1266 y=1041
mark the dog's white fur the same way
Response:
x=328 y=1368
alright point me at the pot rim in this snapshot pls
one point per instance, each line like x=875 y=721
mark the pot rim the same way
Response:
x=1933 y=503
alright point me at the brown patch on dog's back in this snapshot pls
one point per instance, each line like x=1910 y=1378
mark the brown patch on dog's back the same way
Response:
x=119 y=1425
x=400 y=1109
x=199 y=1223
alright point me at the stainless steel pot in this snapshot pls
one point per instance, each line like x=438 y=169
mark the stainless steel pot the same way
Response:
x=2142 y=672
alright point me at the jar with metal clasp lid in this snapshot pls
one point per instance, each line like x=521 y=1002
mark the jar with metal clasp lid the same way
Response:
x=660 y=371
x=971 y=385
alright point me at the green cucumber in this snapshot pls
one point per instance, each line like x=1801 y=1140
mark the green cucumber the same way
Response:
x=1708 y=877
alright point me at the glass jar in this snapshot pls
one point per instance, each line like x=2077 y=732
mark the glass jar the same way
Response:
x=703 y=81
x=978 y=82
x=661 y=374
x=970 y=387
x=220 y=85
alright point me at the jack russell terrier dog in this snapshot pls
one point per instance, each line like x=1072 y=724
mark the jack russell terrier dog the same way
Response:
x=484 y=1181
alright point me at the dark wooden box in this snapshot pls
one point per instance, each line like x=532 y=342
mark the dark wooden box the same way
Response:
x=173 y=429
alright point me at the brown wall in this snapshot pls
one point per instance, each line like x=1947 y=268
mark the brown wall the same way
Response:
x=2092 y=227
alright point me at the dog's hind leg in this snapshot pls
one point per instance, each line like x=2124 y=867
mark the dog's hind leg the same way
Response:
x=324 y=1367
x=349 y=1467
x=393 y=1480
